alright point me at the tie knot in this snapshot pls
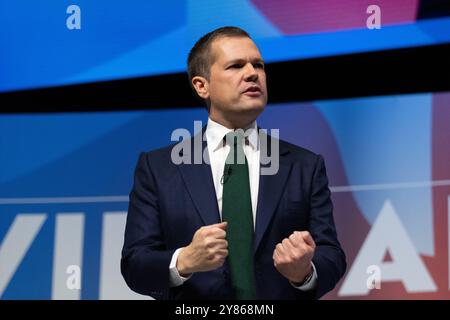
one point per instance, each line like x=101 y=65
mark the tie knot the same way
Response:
x=236 y=155
x=234 y=138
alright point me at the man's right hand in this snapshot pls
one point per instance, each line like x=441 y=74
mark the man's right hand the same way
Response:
x=207 y=251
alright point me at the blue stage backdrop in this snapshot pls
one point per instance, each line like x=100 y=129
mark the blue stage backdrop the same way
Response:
x=47 y=43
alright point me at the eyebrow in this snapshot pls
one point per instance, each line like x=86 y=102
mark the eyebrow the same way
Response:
x=257 y=60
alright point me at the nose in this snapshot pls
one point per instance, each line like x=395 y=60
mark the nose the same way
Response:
x=250 y=73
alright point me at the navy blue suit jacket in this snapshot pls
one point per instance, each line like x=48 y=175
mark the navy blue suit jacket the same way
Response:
x=169 y=202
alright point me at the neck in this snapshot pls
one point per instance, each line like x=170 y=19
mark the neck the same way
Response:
x=240 y=121
x=240 y=124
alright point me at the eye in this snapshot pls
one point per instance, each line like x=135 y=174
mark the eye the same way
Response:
x=235 y=66
x=259 y=65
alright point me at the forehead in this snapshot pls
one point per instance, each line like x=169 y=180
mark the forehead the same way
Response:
x=232 y=48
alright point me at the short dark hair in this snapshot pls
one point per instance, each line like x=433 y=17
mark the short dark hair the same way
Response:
x=200 y=59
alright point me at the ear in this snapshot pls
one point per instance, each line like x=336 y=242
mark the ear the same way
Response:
x=201 y=85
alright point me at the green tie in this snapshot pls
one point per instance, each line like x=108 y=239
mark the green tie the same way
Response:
x=237 y=211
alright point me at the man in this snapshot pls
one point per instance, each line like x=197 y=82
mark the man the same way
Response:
x=221 y=229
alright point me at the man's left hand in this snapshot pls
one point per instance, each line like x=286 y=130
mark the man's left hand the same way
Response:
x=292 y=257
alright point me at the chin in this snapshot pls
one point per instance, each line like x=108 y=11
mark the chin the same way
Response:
x=254 y=104
x=257 y=106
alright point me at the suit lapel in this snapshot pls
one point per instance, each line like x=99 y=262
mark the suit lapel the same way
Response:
x=271 y=188
x=199 y=183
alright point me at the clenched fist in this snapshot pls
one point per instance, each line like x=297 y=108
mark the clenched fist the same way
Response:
x=292 y=257
x=207 y=251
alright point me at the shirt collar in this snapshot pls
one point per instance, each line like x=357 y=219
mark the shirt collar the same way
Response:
x=215 y=133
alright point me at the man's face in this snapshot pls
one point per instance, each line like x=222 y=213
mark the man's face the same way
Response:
x=237 y=82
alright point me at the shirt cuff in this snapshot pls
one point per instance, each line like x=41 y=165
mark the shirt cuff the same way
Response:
x=310 y=283
x=175 y=279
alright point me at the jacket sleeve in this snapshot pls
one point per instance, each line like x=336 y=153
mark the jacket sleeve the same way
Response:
x=329 y=258
x=145 y=259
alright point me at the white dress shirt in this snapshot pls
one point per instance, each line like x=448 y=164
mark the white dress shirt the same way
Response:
x=218 y=151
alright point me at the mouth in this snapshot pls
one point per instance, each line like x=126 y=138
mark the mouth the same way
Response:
x=253 y=91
